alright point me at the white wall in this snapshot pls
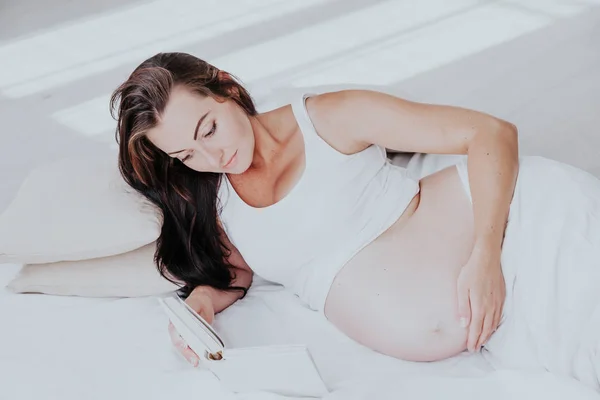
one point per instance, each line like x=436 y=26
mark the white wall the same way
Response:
x=534 y=62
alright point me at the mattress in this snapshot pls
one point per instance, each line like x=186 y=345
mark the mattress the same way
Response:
x=61 y=347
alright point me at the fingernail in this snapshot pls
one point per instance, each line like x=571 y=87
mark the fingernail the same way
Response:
x=463 y=322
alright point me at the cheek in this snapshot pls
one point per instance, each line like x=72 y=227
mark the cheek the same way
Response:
x=198 y=164
x=247 y=141
x=242 y=134
x=234 y=138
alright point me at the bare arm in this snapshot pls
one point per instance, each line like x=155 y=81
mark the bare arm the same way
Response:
x=221 y=299
x=351 y=120
x=208 y=301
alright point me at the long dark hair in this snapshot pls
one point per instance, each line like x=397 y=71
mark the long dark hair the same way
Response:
x=189 y=250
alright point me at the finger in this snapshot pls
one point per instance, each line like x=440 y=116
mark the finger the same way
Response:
x=496 y=321
x=190 y=356
x=464 y=306
x=499 y=315
x=182 y=346
x=207 y=315
x=175 y=336
x=475 y=328
x=187 y=352
x=496 y=324
x=486 y=331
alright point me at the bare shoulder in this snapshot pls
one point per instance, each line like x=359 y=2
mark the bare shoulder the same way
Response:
x=348 y=98
x=351 y=120
x=335 y=116
x=349 y=104
x=342 y=117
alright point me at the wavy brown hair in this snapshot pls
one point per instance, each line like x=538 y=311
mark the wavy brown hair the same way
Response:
x=190 y=249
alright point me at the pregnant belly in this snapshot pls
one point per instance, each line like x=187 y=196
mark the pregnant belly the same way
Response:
x=398 y=295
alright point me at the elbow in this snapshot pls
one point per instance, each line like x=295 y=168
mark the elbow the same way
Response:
x=509 y=131
x=498 y=134
x=512 y=133
x=245 y=278
x=507 y=134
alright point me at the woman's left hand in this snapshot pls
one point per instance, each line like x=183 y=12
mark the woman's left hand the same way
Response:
x=481 y=293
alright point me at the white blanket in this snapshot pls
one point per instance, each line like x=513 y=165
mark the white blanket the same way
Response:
x=551 y=261
x=76 y=348
x=71 y=348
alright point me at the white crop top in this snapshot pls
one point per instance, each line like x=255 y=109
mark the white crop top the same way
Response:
x=340 y=204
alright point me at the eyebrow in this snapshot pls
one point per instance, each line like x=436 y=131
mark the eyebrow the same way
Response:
x=195 y=132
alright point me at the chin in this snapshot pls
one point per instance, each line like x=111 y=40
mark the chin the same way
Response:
x=241 y=169
x=237 y=169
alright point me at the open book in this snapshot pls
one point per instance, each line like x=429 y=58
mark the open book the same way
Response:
x=283 y=369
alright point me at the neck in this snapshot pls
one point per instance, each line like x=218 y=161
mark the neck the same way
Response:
x=265 y=142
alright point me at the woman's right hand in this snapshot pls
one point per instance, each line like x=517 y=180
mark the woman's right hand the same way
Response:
x=200 y=301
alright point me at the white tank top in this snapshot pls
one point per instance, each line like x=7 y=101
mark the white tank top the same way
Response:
x=340 y=204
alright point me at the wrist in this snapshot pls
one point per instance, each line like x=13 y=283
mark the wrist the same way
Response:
x=206 y=291
x=489 y=241
x=487 y=247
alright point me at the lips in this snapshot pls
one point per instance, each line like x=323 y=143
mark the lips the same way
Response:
x=230 y=160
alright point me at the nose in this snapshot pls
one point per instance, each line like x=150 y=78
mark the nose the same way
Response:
x=212 y=156
x=214 y=160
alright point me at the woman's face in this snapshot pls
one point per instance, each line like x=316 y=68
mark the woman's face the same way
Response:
x=206 y=135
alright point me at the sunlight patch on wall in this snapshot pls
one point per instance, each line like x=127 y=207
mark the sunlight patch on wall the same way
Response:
x=89 y=47
x=307 y=48
x=407 y=55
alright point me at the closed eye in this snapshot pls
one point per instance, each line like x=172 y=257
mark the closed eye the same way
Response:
x=208 y=134
x=212 y=131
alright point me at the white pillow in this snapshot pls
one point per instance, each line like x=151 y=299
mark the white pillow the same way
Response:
x=74 y=209
x=130 y=274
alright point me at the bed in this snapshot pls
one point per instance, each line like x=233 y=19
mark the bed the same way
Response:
x=61 y=347
x=73 y=348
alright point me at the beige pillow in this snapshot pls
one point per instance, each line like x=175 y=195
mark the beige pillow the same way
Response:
x=74 y=209
x=130 y=274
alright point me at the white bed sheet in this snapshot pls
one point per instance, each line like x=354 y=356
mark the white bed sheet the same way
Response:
x=73 y=348
x=55 y=347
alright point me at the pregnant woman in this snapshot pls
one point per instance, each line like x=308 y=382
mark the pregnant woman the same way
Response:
x=499 y=251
